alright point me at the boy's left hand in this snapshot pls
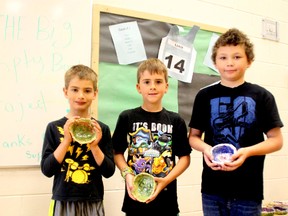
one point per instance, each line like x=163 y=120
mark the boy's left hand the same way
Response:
x=161 y=184
x=98 y=132
x=237 y=160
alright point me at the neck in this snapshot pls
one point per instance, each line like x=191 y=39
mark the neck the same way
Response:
x=232 y=84
x=152 y=107
x=85 y=114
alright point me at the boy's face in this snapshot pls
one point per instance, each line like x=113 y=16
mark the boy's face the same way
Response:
x=152 y=87
x=80 y=94
x=232 y=62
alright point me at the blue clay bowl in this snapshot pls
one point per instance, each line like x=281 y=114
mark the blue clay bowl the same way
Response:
x=222 y=153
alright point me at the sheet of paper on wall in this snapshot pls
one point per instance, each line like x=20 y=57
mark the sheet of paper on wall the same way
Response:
x=207 y=60
x=128 y=43
x=178 y=54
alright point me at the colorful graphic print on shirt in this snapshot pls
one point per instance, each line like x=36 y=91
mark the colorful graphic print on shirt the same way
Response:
x=151 y=152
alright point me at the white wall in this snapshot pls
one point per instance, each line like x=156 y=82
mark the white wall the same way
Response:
x=26 y=192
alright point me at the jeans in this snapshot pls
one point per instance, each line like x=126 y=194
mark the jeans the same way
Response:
x=218 y=206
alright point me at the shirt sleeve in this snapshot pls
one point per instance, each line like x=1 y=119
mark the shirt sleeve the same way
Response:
x=271 y=115
x=108 y=166
x=199 y=113
x=180 y=144
x=119 y=138
x=49 y=164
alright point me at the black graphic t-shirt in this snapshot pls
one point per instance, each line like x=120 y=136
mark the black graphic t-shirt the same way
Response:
x=78 y=177
x=154 y=139
x=239 y=116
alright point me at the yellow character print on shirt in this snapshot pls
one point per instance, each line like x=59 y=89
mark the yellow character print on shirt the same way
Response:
x=75 y=164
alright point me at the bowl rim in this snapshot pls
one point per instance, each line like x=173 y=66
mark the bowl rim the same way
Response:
x=219 y=145
x=134 y=191
x=81 y=120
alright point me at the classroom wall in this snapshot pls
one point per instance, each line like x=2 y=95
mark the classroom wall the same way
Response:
x=26 y=192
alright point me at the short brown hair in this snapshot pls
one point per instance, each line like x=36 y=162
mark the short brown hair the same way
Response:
x=234 y=37
x=154 y=66
x=82 y=72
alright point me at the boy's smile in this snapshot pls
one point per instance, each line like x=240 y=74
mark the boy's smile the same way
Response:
x=232 y=62
x=80 y=94
x=152 y=87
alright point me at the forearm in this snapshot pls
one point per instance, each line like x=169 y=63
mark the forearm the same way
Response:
x=274 y=142
x=97 y=154
x=61 y=151
x=120 y=161
x=182 y=164
x=196 y=142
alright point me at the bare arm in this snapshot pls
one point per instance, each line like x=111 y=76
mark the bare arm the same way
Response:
x=182 y=164
x=196 y=142
x=121 y=164
x=273 y=143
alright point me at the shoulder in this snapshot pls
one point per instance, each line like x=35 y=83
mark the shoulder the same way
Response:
x=210 y=88
x=257 y=90
x=59 y=122
x=173 y=115
x=129 y=112
x=254 y=86
x=103 y=126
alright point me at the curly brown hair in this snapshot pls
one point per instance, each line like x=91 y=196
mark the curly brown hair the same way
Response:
x=234 y=37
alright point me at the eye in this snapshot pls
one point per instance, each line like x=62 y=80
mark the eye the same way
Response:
x=74 y=89
x=222 y=57
x=146 y=82
x=159 y=81
x=238 y=57
x=88 y=90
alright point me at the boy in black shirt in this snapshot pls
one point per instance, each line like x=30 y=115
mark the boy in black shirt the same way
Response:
x=156 y=136
x=77 y=168
x=239 y=113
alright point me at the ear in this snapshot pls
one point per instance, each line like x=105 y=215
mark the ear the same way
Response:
x=167 y=86
x=65 y=90
x=95 y=94
x=249 y=64
x=138 y=88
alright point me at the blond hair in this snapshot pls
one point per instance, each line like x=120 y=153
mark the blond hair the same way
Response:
x=82 y=72
x=154 y=66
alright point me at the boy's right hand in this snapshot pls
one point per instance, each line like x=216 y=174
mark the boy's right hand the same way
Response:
x=129 y=184
x=208 y=157
x=67 y=135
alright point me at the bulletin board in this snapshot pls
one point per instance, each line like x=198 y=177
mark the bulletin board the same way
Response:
x=117 y=82
x=39 y=41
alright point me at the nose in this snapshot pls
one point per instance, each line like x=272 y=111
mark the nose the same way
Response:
x=230 y=62
x=80 y=94
x=153 y=85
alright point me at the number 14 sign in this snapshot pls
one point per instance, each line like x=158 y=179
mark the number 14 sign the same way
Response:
x=178 y=54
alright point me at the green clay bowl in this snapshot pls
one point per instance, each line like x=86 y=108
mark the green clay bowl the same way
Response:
x=144 y=186
x=82 y=131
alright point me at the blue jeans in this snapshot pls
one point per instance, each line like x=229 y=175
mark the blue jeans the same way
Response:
x=218 y=206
